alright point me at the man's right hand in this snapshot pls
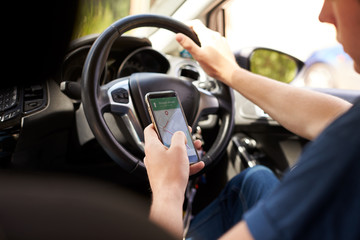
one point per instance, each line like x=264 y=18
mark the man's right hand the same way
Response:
x=214 y=55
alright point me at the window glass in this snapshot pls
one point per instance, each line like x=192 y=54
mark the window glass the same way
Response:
x=94 y=16
x=292 y=27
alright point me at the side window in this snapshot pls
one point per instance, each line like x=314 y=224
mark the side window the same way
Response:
x=94 y=16
x=292 y=27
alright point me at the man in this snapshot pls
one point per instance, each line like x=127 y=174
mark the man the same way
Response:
x=319 y=198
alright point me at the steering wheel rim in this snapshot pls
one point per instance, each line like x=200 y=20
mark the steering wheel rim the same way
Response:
x=96 y=100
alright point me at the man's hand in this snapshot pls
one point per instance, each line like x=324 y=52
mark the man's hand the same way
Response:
x=214 y=55
x=168 y=167
x=168 y=171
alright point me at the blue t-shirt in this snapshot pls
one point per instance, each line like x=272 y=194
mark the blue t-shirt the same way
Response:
x=320 y=197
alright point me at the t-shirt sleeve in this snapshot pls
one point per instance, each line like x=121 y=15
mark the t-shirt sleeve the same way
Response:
x=320 y=195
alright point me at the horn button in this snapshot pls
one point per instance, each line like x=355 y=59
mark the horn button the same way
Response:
x=142 y=83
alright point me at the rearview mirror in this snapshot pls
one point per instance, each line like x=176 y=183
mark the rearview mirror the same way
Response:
x=270 y=63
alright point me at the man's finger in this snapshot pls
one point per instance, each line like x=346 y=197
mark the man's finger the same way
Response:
x=190 y=129
x=178 y=144
x=196 y=167
x=150 y=133
x=197 y=144
x=151 y=137
x=178 y=138
x=188 y=44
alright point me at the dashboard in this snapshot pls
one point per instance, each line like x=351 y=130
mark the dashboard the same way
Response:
x=132 y=55
x=39 y=118
x=128 y=55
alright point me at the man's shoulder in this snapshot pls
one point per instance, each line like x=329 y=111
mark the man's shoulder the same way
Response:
x=348 y=123
x=341 y=135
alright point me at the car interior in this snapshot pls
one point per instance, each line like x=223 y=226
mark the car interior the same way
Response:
x=72 y=114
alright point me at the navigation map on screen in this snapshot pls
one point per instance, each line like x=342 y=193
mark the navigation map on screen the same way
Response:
x=169 y=119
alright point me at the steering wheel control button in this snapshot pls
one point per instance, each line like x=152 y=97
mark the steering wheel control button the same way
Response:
x=120 y=95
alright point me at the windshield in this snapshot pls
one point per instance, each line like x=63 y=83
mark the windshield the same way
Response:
x=95 y=16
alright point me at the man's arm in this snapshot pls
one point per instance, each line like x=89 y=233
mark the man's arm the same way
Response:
x=168 y=171
x=166 y=210
x=304 y=112
x=301 y=111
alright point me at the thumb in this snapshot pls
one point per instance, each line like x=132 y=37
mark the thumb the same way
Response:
x=188 y=44
x=178 y=139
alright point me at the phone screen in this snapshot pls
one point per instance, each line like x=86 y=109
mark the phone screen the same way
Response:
x=169 y=118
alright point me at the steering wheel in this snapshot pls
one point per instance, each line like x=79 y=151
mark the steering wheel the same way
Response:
x=125 y=97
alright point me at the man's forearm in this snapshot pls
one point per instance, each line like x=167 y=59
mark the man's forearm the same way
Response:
x=166 y=211
x=303 y=112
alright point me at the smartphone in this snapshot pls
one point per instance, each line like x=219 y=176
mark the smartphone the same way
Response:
x=168 y=117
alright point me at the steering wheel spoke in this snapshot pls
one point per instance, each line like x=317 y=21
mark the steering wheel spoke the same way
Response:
x=208 y=104
x=120 y=103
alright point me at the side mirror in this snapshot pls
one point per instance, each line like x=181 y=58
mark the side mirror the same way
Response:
x=270 y=63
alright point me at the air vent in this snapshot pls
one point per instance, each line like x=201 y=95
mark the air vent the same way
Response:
x=34 y=98
x=189 y=71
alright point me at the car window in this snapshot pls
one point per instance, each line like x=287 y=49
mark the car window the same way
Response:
x=292 y=27
x=94 y=16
